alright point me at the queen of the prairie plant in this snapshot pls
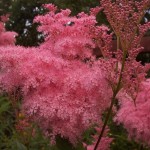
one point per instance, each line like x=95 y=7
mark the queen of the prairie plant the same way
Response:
x=63 y=88
x=125 y=18
x=136 y=119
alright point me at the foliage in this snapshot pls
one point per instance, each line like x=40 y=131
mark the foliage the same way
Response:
x=5 y=6
x=12 y=138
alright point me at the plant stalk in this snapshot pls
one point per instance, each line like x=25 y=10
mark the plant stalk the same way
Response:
x=112 y=101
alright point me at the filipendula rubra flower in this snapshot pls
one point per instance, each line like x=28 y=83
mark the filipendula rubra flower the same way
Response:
x=62 y=87
x=135 y=117
x=125 y=20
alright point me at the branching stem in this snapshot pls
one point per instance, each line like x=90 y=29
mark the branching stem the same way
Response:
x=113 y=100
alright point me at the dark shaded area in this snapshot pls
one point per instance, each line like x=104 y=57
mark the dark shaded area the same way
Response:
x=144 y=57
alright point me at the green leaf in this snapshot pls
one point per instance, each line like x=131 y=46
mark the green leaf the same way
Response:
x=4 y=107
x=18 y=146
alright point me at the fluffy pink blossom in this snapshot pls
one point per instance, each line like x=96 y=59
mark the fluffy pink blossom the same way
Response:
x=62 y=88
x=72 y=36
x=135 y=116
x=124 y=17
x=64 y=97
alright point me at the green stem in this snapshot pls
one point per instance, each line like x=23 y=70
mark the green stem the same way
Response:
x=112 y=101
x=141 y=147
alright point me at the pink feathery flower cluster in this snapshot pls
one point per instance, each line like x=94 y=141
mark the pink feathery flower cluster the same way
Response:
x=6 y=37
x=64 y=97
x=133 y=75
x=125 y=20
x=72 y=37
x=63 y=90
x=124 y=17
x=69 y=37
x=135 y=117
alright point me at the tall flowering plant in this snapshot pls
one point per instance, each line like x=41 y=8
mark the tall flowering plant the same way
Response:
x=125 y=18
x=65 y=89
